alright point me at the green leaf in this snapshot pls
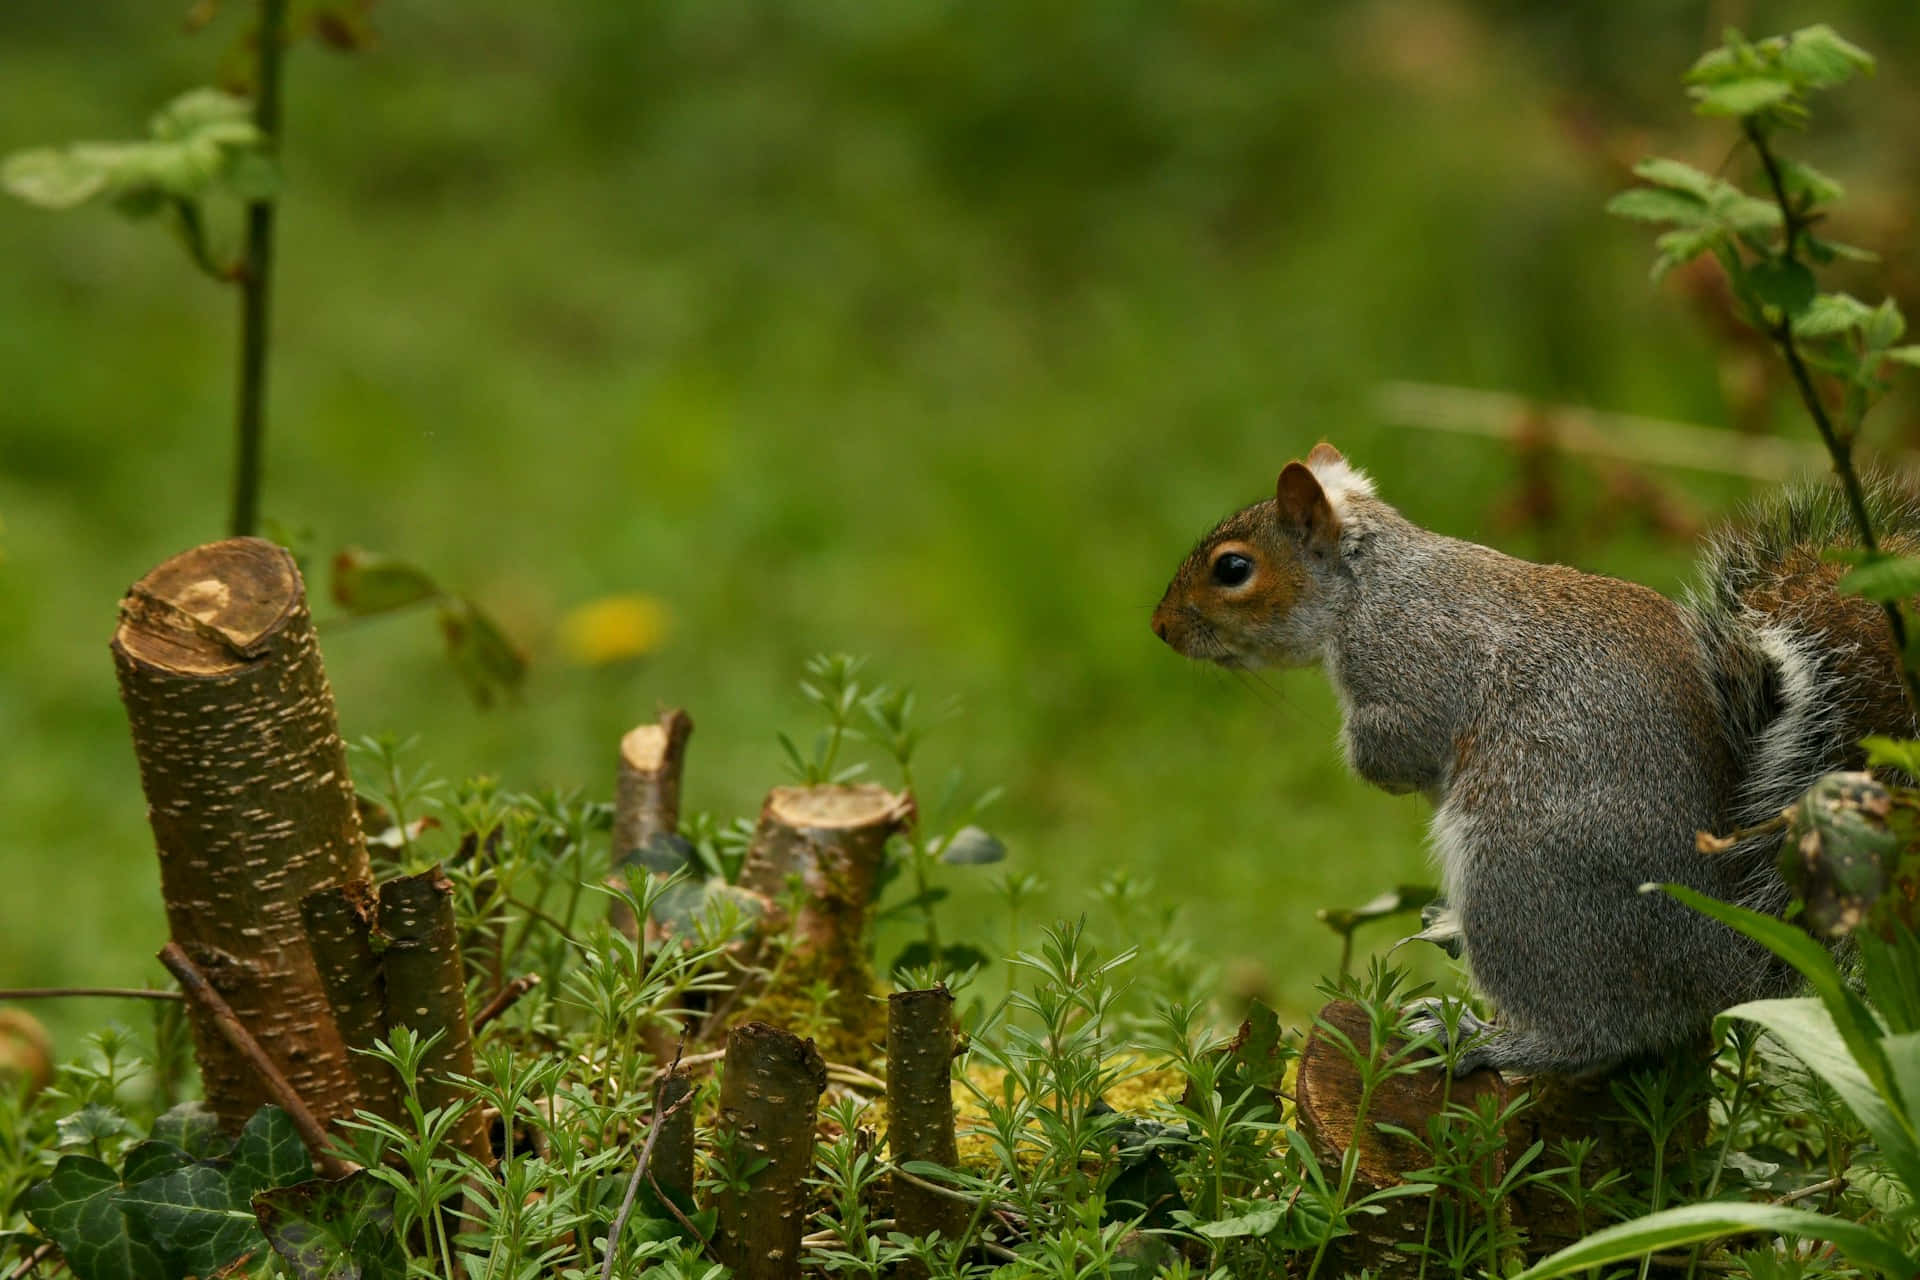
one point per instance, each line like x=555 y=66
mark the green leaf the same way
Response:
x=1659 y=204
x=1744 y=97
x=1818 y=58
x=1405 y=897
x=152 y=1158
x=1854 y=1022
x=1808 y=1030
x=193 y=1128
x=482 y=656
x=269 y=1154
x=1694 y=1223
x=1831 y=313
x=51 y=178
x=1783 y=284
x=366 y=582
x=1828 y=250
x=91 y=1125
x=191 y=1217
x=1677 y=248
x=1808 y=184
x=1904 y=355
x=1256 y=1222
x=1885 y=326
x=1899 y=753
x=76 y=1207
x=1883 y=577
x=973 y=846
x=1662 y=172
x=334 y=1230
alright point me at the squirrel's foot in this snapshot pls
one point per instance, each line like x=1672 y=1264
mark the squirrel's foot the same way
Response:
x=1440 y=926
x=1455 y=1026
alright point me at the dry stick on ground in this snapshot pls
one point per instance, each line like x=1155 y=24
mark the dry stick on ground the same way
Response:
x=339 y=924
x=248 y=796
x=834 y=839
x=505 y=998
x=427 y=991
x=646 y=795
x=199 y=991
x=668 y=1103
x=920 y=1048
x=769 y=1098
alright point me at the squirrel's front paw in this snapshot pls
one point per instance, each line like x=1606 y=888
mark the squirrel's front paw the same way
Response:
x=1455 y=1026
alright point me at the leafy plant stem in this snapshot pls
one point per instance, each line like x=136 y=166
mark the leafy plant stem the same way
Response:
x=255 y=284
x=1838 y=439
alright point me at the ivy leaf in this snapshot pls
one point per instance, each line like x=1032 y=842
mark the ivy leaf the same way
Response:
x=91 y=1125
x=152 y=1158
x=191 y=1217
x=973 y=846
x=269 y=1154
x=193 y=1128
x=76 y=1208
x=333 y=1230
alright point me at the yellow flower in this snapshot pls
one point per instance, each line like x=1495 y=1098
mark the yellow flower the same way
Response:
x=613 y=629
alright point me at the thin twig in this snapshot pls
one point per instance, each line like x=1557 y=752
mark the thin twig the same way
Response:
x=60 y=993
x=831 y=1235
x=197 y=989
x=1818 y=1188
x=32 y=1261
x=951 y=1193
x=505 y=998
x=639 y=1171
x=1708 y=843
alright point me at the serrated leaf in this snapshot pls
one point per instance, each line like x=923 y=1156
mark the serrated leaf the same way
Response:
x=1788 y=286
x=52 y=178
x=1659 y=204
x=1830 y=313
x=333 y=1230
x=1742 y=97
x=1818 y=58
x=1885 y=578
x=193 y=1128
x=75 y=1206
x=366 y=582
x=973 y=846
x=1674 y=174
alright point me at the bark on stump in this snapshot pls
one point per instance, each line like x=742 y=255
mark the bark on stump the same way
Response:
x=251 y=807
x=769 y=1100
x=920 y=1049
x=833 y=839
x=1327 y=1090
x=339 y=920
x=646 y=795
x=672 y=1167
x=426 y=986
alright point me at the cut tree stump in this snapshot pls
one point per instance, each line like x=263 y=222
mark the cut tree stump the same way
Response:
x=769 y=1102
x=832 y=839
x=339 y=923
x=646 y=795
x=1327 y=1091
x=426 y=991
x=250 y=803
x=920 y=1050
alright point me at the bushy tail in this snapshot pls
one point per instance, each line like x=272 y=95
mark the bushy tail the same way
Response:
x=1801 y=672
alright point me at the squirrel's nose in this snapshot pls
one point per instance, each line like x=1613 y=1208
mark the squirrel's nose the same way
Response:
x=1160 y=627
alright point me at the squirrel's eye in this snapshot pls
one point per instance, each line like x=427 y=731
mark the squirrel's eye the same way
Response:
x=1232 y=569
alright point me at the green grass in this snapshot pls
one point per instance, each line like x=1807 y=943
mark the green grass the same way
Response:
x=934 y=333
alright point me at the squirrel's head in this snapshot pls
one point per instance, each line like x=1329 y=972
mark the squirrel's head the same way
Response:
x=1254 y=592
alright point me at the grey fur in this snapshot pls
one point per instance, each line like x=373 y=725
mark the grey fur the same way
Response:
x=1574 y=733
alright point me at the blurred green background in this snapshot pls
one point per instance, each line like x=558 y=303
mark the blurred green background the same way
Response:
x=932 y=331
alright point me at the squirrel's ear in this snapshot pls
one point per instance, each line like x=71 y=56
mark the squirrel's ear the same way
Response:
x=1304 y=508
x=1323 y=453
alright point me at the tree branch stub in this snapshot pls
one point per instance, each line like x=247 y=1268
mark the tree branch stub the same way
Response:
x=769 y=1101
x=920 y=1051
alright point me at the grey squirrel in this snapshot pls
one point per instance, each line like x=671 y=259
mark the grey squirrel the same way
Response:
x=1573 y=732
